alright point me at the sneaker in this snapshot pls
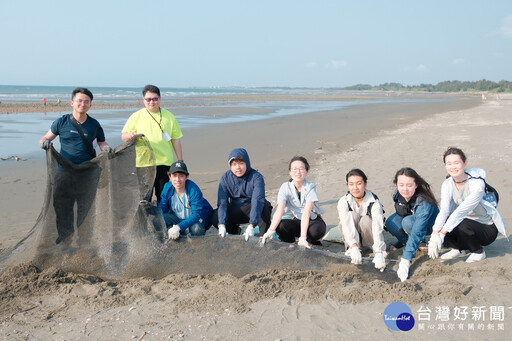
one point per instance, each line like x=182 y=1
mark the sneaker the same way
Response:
x=453 y=253
x=476 y=257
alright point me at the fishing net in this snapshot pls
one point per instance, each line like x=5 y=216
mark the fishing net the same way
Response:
x=97 y=219
x=95 y=215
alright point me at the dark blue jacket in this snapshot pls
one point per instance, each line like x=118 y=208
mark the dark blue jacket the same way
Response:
x=200 y=208
x=248 y=189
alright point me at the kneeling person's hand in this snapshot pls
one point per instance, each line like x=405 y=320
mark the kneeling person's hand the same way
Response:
x=174 y=232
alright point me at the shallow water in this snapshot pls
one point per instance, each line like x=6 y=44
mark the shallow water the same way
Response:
x=20 y=133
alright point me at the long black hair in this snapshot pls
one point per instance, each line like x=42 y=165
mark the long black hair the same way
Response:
x=423 y=190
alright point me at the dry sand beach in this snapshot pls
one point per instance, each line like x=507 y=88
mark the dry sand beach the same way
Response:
x=339 y=302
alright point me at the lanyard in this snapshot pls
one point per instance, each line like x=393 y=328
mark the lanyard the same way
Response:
x=159 y=124
x=184 y=205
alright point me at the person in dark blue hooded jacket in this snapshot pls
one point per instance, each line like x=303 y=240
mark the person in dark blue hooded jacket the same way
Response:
x=241 y=198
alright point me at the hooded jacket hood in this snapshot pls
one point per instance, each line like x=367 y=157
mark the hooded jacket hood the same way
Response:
x=240 y=153
x=239 y=191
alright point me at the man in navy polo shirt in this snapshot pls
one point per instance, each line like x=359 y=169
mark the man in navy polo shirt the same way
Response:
x=73 y=146
x=78 y=148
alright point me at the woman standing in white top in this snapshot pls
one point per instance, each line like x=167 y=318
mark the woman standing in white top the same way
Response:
x=298 y=196
x=466 y=221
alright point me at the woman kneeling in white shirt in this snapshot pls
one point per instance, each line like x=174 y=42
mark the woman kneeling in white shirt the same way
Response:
x=361 y=220
x=466 y=221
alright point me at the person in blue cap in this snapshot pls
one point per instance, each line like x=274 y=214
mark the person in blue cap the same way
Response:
x=183 y=205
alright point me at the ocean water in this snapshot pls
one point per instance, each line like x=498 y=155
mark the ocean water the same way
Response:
x=20 y=133
x=118 y=94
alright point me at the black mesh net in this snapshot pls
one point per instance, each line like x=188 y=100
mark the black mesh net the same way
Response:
x=96 y=219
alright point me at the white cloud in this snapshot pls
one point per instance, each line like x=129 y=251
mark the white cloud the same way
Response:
x=421 y=68
x=505 y=28
x=311 y=65
x=460 y=61
x=336 y=64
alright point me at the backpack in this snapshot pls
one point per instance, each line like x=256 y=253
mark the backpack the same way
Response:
x=491 y=194
x=369 y=209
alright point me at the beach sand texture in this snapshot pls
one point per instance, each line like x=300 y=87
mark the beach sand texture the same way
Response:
x=336 y=302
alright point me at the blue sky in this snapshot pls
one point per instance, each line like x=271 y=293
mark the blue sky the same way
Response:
x=253 y=43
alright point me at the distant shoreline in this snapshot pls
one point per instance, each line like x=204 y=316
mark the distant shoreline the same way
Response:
x=26 y=106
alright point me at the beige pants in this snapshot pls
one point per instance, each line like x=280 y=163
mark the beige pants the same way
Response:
x=363 y=233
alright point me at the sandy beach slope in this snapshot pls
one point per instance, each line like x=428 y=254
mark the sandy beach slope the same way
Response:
x=335 y=303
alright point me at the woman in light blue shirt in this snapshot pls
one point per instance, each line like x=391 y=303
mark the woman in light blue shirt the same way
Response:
x=298 y=196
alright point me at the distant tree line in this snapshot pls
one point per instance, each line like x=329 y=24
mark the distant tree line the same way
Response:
x=446 y=86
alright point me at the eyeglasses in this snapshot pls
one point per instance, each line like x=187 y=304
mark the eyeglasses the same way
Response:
x=154 y=99
x=294 y=170
x=86 y=102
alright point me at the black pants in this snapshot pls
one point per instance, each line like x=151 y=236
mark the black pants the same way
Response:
x=289 y=229
x=471 y=235
x=240 y=215
x=70 y=187
x=161 y=179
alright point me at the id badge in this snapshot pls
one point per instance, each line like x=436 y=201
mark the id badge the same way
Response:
x=166 y=136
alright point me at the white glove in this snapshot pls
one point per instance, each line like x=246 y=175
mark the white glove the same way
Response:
x=441 y=237
x=222 y=231
x=403 y=269
x=355 y=255
x=434 y=245
x=303 y=242
x=249 y=232
x=269 y=235
x=174 y=232
x=379 y=261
